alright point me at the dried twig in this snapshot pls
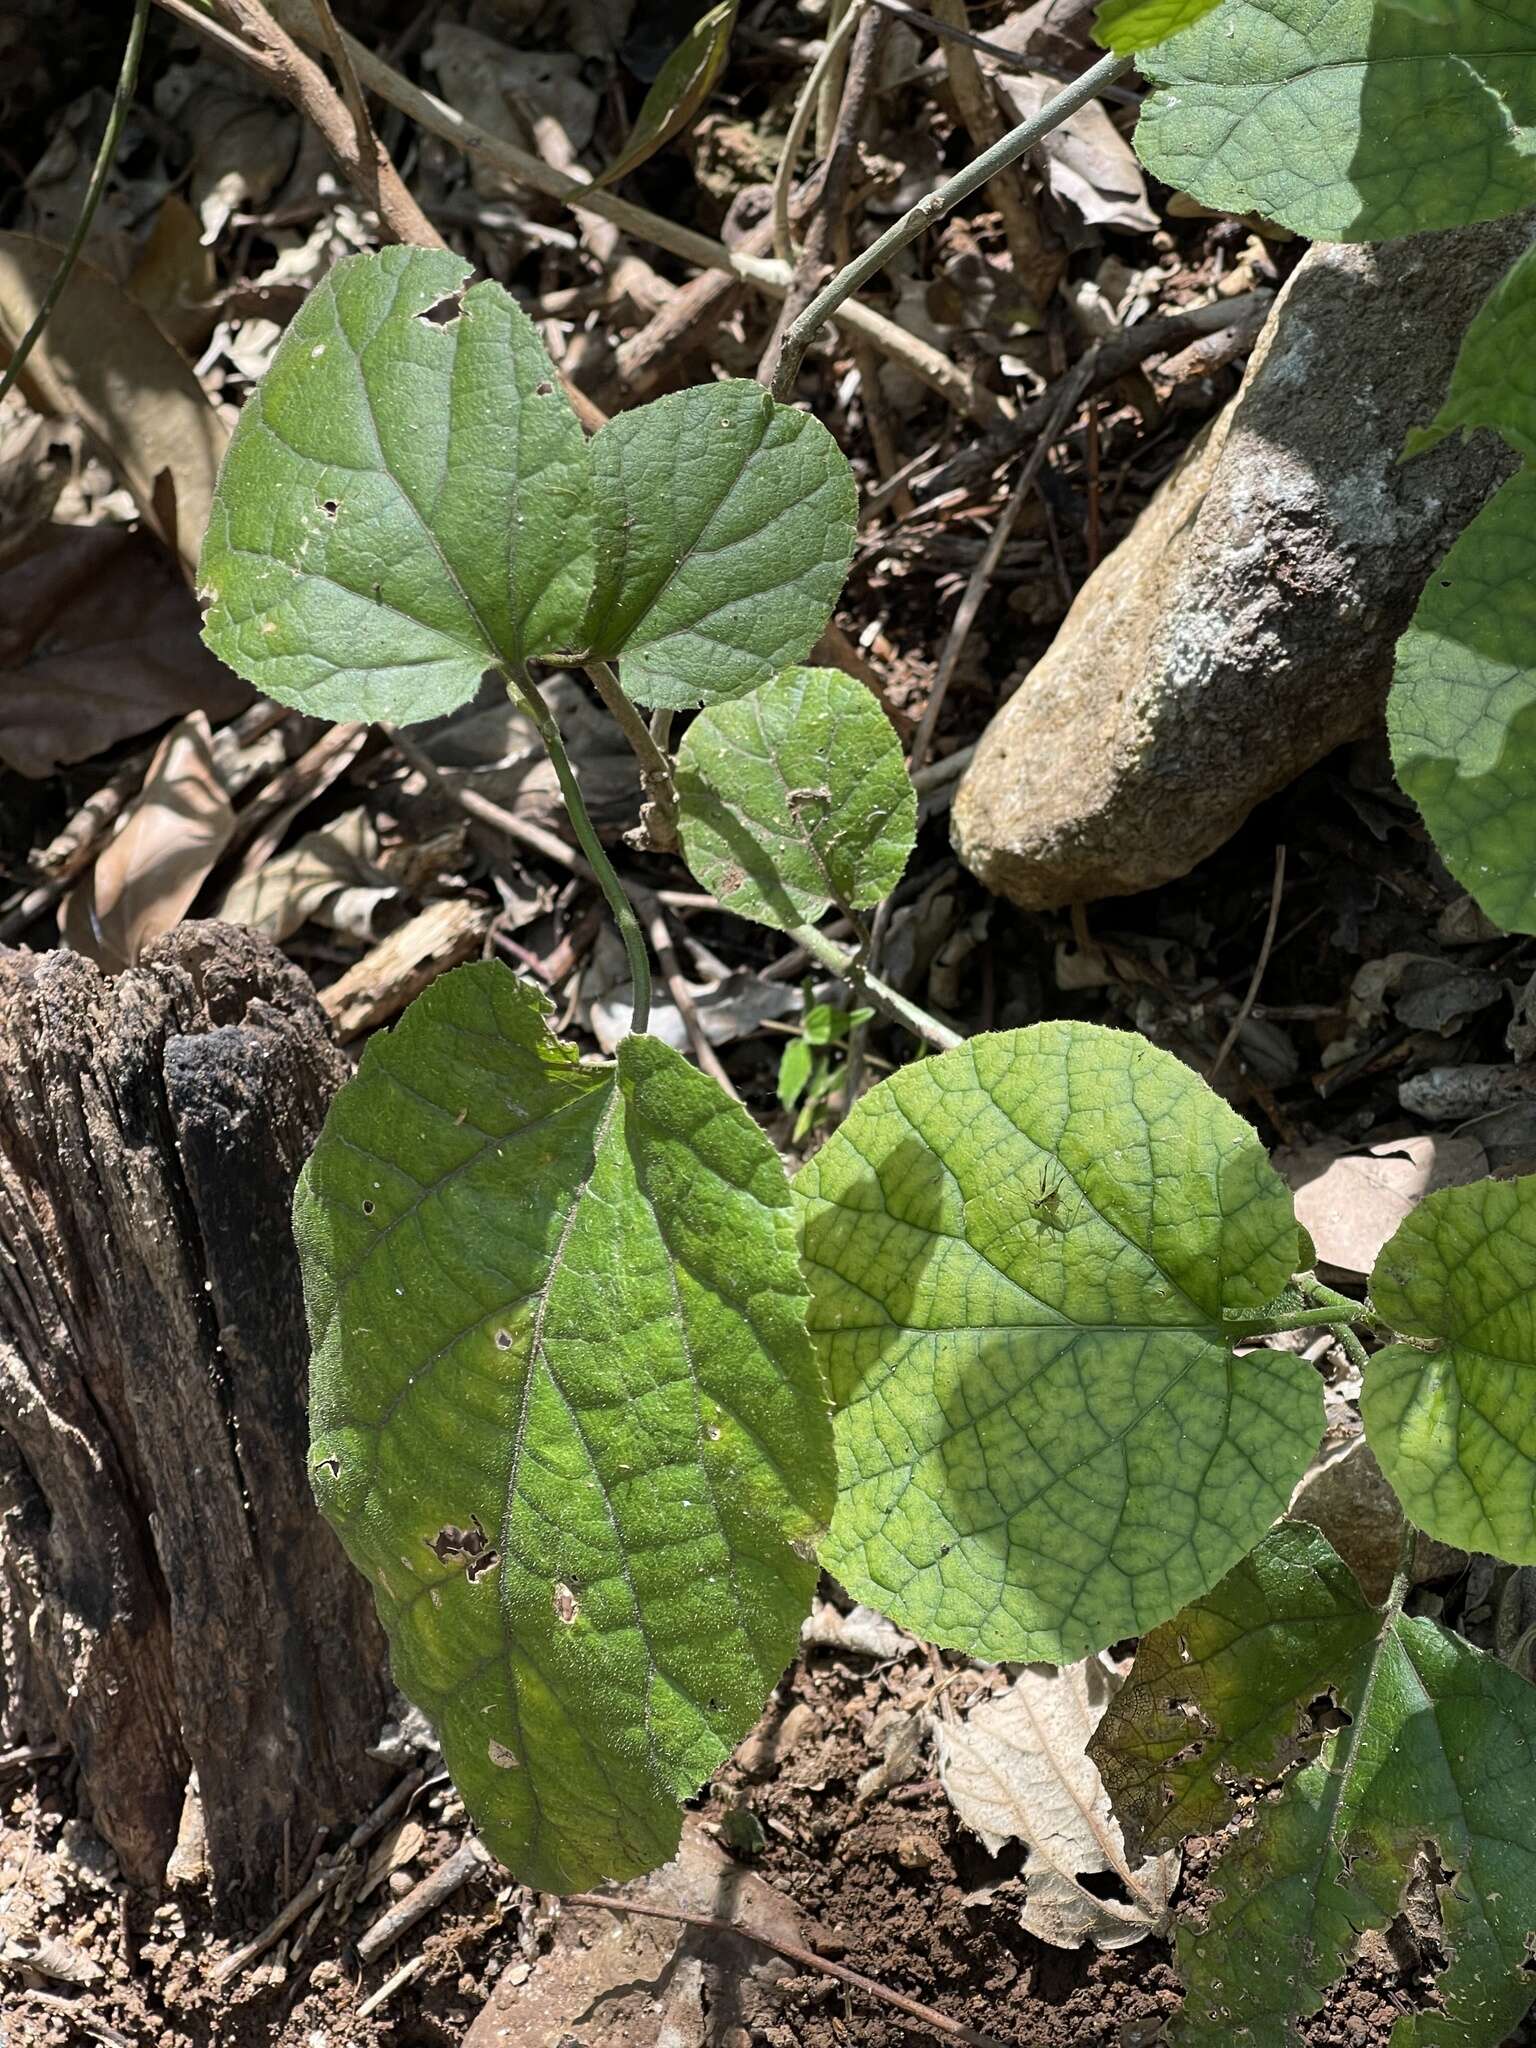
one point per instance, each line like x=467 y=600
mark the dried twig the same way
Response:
x=1245 y=1008
x=929 y=364
x=391 y=1985
x=118 y=113
x=439 y=1885
x=660 y=936
x=323 y=1881
x=794 y=1952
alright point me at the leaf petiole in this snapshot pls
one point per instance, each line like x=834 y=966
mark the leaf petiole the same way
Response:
x=1325 y=1318
x=888 y=1001
x=522 y=684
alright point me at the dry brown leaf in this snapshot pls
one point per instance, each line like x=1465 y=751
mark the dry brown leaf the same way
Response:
x=102 y=359
x=1016 y=1769
x=330 y=875
x=174 y=278
x=1089 y=165
x=1351 y=1202
x=98 y=641
x=145 y=879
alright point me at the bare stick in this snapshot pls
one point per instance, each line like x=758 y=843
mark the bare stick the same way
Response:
x=1277 y=890
x=485 y=812
x=391 y=1985
x=705 y=1058
x=322 y=1882
x=800 y=120
x=929 y=364
x=439 y=1885
x=655 y=768
x=357 y=151
x=793 y=1952
x=121 y=96
x=1016 y=143
x=976 y=589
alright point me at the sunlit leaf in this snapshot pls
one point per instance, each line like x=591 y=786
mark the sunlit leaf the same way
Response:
x=404 y=501
x=1349 y=121
x=796 y=797
x=1125 y=26
x=1020 y=1256
x=564 y=1414
x=680 y=88
x=724 y=531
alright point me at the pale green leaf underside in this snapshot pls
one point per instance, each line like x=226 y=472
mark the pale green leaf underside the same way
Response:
x=796 y=797
x=1454 y=1429
x=1020 y=1254
x=679 y=89
x=1462 y=710
x=1349 y=121
x=724 y=530
x=561 y=1306
x=403 y=504
x=1440 y=1749
x=1128 y=25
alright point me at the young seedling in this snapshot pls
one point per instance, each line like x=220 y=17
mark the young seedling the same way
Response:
x=594 y=1388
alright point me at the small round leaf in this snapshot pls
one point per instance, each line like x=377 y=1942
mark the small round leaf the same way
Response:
x=796 y=797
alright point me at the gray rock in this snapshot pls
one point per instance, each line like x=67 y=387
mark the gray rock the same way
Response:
x=1245 y=626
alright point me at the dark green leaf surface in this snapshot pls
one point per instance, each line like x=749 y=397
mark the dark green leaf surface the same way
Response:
x=1439 y=1750
x=1020 y=1255
x=725 y=527
x=681 y=87
x=1347 y=120
x=403 y=504
x=796 y=797
x=564 y=1414
x=1454 y=1427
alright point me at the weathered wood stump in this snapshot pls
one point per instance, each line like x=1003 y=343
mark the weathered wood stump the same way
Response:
x=170 y=1601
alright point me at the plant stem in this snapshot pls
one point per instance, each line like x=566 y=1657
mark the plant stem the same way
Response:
x=1343 y=1335
x=879 y=996
x=1014 y=144
x=800 y=121
x=624 y=917
x=122 y=95
x=1300 y=1319
x=655 y=768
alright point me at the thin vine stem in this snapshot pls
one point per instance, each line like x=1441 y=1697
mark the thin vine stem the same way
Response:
x=800 y=121
x=888 y=1001
x=1016 y=143
x=1343 y=1335
x=519 y=681
x=122 y=96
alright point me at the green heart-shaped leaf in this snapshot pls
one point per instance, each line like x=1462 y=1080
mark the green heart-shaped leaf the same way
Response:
x=1437 y=1754
x=1454 y=1426
x=1351 y=121
x=796 y=797
x=404 y=503
x=565 y=1415
x=1020 y=1257
x=725 y=526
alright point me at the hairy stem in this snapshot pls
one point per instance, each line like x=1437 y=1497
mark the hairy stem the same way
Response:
x=122 y=95
x=1300 y=1319
x=1014 y=144
x=1343 y=1335
x=519 y=680
x=655 y=768
x=888 y=1001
